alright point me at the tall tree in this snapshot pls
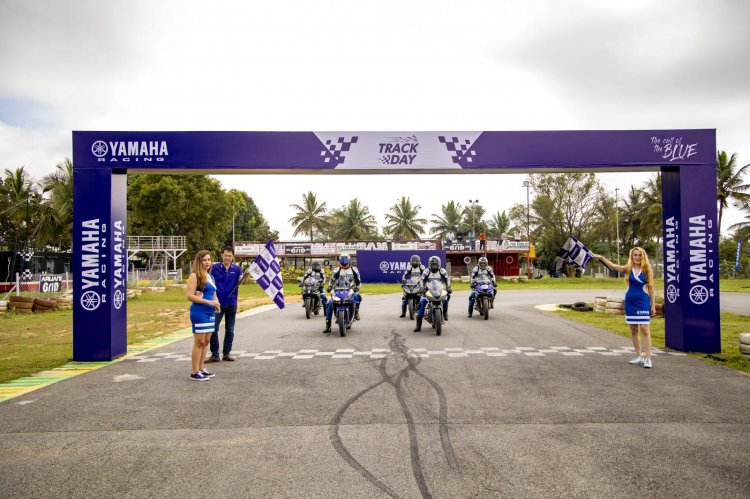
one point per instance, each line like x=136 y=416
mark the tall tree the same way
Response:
x=249 y=222
x=472 y=219
x=55 y=224
x=565 y=203
x=310 y=217
x=194 y=206
x=403 y=220
x=632 y=220
x=499 y=225
x=448 y=221
x=354 y=222
x=729 y=182
x=20 y=207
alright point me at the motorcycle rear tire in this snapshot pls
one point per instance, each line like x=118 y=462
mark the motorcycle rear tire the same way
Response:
x=437 y=321
x=485 y=308
x=308 y=307
x=411 y=309
x=342 y=322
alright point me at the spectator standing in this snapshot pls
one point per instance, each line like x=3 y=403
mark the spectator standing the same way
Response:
x=227 y=275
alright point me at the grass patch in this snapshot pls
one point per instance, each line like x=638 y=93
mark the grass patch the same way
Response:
x=732 y=325
x=37 y=342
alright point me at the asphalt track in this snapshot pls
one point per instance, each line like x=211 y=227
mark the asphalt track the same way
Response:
x=523 y=405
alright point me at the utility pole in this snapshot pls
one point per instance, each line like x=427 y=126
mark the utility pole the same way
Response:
x=527 y=184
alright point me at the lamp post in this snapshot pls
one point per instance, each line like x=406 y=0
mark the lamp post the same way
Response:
x=617 y=226
x=528 y=229
x=473 y=203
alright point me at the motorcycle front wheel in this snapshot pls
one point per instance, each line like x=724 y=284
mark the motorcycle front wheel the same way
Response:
x=437 y=321
x=308 y=306
x=342 y=322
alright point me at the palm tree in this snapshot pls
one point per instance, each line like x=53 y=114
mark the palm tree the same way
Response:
x=743 y=227
x=354 y=222
x=499 y=225
x=311 y=217
x=631 y=219
x=729 y=182
x=449 y=221
x=55 y=221
x=403 y=222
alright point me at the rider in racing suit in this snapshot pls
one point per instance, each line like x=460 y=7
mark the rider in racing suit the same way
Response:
x=432 y=272
x=344 y=270
x=415 y=271
x=481 y=270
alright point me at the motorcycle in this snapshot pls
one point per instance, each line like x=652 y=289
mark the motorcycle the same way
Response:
x=311 y=296
x=343 y=305
x=484 y=297
x=436 y=295
x=413 y=293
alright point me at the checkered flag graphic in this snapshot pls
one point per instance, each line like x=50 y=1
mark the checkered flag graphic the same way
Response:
x=458 y=148
x=267 y=273
x=337 y=150
x=26 y=275
x=26 y=254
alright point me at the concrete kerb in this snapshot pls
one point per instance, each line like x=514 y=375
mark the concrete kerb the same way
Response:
x=22 y=386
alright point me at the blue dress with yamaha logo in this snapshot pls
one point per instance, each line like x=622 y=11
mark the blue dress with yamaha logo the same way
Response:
x=637 y=300
x=201 y=315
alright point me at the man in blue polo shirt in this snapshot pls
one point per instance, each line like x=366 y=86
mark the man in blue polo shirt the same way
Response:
x=227 y=276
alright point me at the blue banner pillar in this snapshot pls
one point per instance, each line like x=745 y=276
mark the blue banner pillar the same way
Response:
x=99 y=265
x=691 y=259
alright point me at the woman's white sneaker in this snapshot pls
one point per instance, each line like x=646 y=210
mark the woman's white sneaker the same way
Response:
x=638 y=361
x=647 y=363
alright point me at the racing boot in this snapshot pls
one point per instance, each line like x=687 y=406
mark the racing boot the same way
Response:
x=471 y=309
x=419 y=324
x=356 y=312
x=328 y=326
x=403 y=311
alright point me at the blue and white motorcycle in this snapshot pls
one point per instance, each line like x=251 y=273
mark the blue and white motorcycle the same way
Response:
x=484 y=296
x=343 y=305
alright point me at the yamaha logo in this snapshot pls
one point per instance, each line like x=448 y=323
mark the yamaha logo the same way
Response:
x=384 y=266
x=131 y=151
x=99 y=148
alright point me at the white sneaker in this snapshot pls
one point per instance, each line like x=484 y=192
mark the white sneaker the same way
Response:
x=638 y=361
x=647 y=363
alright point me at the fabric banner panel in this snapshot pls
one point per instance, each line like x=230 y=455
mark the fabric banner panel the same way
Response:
x=389 y=266
x=392 y=152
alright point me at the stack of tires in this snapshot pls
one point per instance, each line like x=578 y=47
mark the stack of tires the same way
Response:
x=42 y=305
x=21 y=304
x=745 y=345
x=659 y=309
x=600 y=303
x=3 y=306
x=615 y=306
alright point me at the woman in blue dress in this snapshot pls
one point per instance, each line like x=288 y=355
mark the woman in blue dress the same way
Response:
x=639 y=301
x=201 y=290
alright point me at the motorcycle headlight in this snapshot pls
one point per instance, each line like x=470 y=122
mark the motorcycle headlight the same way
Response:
x=336 y=298
x=427 y=293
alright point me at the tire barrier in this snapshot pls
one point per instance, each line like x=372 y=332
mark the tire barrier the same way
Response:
x=745 y=345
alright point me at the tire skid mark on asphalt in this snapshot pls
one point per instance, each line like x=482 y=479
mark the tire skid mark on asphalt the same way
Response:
x=401 y=354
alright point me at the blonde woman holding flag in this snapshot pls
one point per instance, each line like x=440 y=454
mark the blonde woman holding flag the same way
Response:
x=639 y=300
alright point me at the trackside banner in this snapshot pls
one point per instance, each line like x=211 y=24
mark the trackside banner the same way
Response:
x=389 y=266
x=379 y=152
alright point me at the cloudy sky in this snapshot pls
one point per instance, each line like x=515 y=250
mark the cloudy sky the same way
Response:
x=370 y=66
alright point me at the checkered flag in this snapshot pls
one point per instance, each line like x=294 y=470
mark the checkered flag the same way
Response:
x=458 y=148
x=267 y=273
x=573 y=251
x=337 y=150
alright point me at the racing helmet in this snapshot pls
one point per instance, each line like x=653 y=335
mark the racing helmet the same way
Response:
x=316 y=265
x=345 y=260
x=415 y=261
x=483 y=262
x=434 y=263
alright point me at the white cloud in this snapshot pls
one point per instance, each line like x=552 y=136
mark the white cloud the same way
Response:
x=330 y=65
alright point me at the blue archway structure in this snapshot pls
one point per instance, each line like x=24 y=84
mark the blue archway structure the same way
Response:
x=102 y=160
